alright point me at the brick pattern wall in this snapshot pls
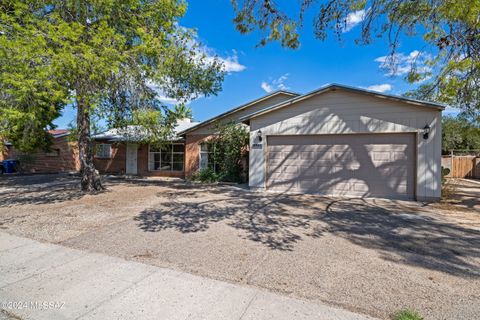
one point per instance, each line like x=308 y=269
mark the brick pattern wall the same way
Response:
x=117 y=163
x=192 y=152
x=3 y=154
x=64 y=158
x=142 y=163
x=113 y=165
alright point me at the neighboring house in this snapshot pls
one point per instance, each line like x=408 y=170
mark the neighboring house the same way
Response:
x=63 y=156
x=337 y=140
x=4 y=151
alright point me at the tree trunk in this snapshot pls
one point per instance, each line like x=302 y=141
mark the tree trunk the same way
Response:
x=90 y=177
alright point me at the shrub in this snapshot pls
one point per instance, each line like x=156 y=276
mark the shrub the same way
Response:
x=445 y=173
x=407 y=315
x=205 y=176
x=230 y=152
x=448 y=189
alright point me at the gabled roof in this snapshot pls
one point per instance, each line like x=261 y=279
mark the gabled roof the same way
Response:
x=138 y=133
x=333 y=87
x=57 y=133
x=239 y=108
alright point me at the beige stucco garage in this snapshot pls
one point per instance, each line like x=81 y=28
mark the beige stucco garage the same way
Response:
x=343 y=141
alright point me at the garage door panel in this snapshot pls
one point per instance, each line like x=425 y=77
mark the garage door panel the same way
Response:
x=376 y=165
x=315 y=172
x=282 y=185
x=360 y=187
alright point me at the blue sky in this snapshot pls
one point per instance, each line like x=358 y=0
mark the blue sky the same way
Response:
x=255 y=70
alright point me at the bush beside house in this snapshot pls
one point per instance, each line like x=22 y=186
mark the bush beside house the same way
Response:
x=228 y=151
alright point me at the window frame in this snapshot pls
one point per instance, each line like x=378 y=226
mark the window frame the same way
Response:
x=210 y=162
x=151 y=160
x=102 y=146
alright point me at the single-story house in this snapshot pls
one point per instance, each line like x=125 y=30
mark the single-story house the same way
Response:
x=62 y=157
x=118 y=151
x=336 y=141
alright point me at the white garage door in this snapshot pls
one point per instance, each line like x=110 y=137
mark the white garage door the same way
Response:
x=357 y=165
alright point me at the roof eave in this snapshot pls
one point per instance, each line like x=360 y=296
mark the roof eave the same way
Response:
x=241 y=107
x=332 y=87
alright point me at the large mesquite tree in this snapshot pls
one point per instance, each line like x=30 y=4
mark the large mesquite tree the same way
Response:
x=450 y=30
x=101 y=56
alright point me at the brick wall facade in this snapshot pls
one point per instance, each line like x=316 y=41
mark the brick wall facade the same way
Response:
x=142 y=163
x=192 y=152
x=3 y=153
x=68 y=159
x=116 y=163
x=62 y=158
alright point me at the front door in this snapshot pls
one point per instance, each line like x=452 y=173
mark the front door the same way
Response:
x=131 y=165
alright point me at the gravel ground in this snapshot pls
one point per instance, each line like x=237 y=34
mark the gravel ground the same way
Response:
x=371 y=256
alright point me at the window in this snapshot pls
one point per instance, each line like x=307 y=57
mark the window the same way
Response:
x=207 y=159
x=53 y=153
x=103 y=150
x=166 y=158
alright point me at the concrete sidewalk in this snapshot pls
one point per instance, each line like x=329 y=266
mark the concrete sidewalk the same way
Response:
x=46 y=281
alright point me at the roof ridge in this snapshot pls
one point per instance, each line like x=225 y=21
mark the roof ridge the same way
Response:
x=240 y=107
x=332 y=86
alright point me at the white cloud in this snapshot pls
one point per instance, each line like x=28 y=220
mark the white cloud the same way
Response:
x=161 y=95
x=168 y=100
x=276 y=84
x=353 y=19
x=384 y=87
x=401 y=64
x=230 y=63
x=265 y=86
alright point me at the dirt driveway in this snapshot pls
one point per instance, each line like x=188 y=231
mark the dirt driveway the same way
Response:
x=371 y=256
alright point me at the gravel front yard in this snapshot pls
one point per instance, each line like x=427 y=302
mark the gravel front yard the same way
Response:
x=371 y=256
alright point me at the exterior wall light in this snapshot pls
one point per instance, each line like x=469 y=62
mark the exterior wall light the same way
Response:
x=259 y=135
x=426 y=131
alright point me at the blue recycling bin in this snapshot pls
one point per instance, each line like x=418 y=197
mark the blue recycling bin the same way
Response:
x=10 y=165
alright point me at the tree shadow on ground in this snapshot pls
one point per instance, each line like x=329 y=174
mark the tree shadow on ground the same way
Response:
x=263 y=218
x=405 y=236
x=38 y=189
x=397 y=232
x=464 y=195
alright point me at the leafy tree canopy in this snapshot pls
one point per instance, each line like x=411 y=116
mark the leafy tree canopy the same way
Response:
x=102 y=56
x=450 y=30
x=460 y=133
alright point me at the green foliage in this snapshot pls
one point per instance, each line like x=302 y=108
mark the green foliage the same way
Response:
x=228 y=153
x=31 y=95
x=460 y=133
x=445 y=173
x=24 y=161
x=407 y=315
x=104 y=57
x=113 y=56
x=231 y=145
x=206 y=176
x=450 y=31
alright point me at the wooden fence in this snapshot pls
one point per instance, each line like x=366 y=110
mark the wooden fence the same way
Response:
x=462 y=166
